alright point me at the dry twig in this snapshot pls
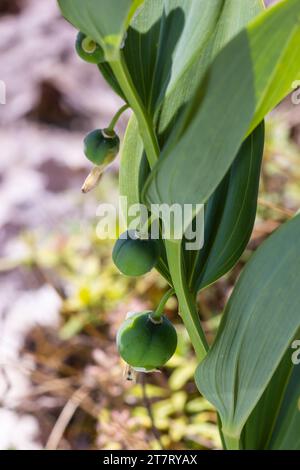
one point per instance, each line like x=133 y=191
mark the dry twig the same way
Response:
x=282 y=210
x=64 y=418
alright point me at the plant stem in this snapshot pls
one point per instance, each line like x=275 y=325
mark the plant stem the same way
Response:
x=159 y=311
x=187 y=304
x=232 y=442
x=145 y=126
x=116 y=117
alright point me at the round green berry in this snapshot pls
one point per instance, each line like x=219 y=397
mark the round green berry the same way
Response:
x=101 y=146
x=145 y=343
x=134 y=256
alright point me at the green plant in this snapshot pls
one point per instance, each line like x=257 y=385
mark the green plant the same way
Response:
x=200 y=77
x=135 y=256
x=145 y=341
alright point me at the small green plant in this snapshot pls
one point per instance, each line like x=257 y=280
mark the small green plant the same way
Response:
x=199 y=86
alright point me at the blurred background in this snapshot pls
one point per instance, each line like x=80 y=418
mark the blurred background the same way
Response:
x=62 y=383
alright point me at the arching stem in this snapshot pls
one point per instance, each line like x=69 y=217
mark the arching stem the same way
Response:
x=160 y=309
x=116 y=117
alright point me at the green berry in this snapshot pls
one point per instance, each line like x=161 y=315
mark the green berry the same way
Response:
x=134 y=256
x=144 y=343
x=101 y=147
x=88 y=49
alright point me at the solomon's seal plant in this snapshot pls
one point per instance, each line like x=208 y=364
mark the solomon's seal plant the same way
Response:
x=199 y=77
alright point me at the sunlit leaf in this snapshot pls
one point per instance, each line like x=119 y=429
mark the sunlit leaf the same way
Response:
x=246 y=80
x=170 y=44
x=272 y=410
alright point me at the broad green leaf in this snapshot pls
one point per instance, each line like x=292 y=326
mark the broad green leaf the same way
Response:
x=259 y=428
x=230 y=213
x=156 y=39
x=226 y=106
x=286 y=434
x=256 y=330
x=189 y=170
x=278 y=64
x=104 y=20
x=170 y=44
x=186 y=74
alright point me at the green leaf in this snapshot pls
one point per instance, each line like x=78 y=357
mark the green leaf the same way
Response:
x=230 y=213
x=104 y=20
x=259 y=428
x=245 y=81
x=286 y=434
x=170 y=44
x=218 y=24
x=274 y=43
x=256 y=330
